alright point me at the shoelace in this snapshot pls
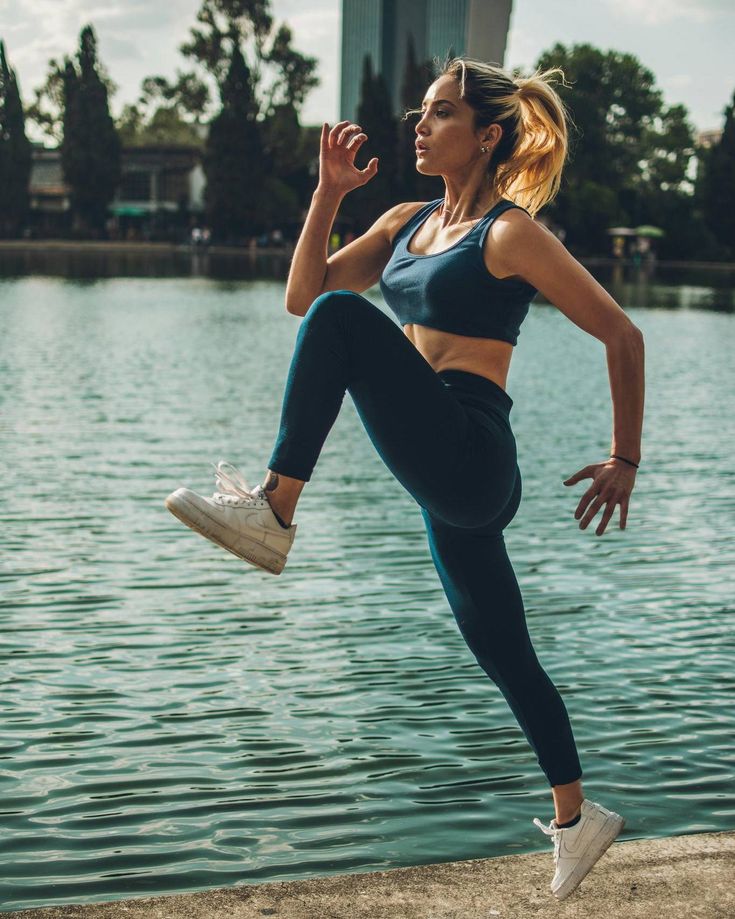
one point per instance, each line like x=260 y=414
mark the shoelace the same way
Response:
x=232 y=482
x=551 y=831
x=233 y=485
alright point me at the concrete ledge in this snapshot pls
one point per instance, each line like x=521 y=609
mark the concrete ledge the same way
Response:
x=678 y=877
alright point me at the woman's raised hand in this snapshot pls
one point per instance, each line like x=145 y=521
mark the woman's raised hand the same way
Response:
x=611 y=486
x=337 y=171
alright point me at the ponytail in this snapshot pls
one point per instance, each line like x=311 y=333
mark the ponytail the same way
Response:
x=527 y=163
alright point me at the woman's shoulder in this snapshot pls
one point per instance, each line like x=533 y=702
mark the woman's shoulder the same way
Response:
x=510 y=242
x=401 y=215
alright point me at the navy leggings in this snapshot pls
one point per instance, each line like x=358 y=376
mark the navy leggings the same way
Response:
x=447 y=438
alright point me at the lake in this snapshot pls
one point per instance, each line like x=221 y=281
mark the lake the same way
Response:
x=175 y=720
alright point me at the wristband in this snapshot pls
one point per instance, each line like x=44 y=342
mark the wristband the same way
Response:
x=629 y=462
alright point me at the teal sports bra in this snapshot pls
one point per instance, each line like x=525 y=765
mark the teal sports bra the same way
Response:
x=452 y=290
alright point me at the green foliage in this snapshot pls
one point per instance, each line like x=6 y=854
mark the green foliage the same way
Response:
x=631 y=156
x=255 y=144
x=233 y=163
x=629 y=153
x=295 y=72
x=15 y=153
x=417 y=77
x=47 y=109
x=367 y=203
x=223 y=26
x=717 y=186
x=162 y=127
x=90 y=150
x=165 y=113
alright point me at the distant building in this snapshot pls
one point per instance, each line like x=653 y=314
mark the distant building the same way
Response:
x=162 y=188
x=380 y=28
x=709 y=138
x=49 y=196
x=161 y=192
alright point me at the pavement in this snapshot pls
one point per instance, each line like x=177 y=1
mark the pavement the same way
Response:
x=676 y=877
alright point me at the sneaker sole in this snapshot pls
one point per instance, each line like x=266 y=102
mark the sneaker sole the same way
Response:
x=609 y=832
x=249 y=550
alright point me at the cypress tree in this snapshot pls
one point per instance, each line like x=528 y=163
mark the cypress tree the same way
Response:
x=718 y=186
x=91 y=149
x=15 y=153
x=374 y=115
x=233 y=161
x=417 y=77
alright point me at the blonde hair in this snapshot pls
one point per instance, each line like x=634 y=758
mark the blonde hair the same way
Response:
x=527 y=163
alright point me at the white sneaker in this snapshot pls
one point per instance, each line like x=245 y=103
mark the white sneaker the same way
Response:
x=578 y=847
x=237 y=518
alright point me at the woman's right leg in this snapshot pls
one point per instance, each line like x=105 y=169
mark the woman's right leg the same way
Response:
x=483 y=593
x=430 y=441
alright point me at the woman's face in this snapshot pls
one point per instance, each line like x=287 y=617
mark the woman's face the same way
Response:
x=446 y=131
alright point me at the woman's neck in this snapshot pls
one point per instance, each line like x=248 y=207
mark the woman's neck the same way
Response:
x=463 y=212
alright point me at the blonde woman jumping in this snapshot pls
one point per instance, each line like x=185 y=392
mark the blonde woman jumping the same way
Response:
x=460 y=273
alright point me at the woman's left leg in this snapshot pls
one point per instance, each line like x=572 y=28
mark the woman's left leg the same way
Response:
x=434 y=445
x=483 y=593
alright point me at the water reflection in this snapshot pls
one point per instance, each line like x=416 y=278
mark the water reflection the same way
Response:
x=173 y=720
x=165 y=263
x=651 y=286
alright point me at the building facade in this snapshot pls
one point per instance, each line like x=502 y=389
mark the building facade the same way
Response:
x=381 y=28
x=161 y=192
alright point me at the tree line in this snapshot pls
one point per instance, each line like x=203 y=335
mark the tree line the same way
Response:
x=633 y=159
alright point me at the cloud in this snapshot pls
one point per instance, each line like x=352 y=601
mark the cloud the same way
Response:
x=677 y=80
x=118 y=48
x=661 y=12
x=311 y=24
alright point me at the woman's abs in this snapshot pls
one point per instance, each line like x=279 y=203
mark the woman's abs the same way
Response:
x=487 y=357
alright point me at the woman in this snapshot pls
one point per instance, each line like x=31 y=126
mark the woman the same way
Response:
x=460 y=273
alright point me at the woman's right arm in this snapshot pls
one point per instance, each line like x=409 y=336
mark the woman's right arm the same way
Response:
x=356 y=266
x=309 y=262
x=312 y=271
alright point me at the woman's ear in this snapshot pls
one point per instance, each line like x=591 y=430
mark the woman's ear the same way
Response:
x=492 y=134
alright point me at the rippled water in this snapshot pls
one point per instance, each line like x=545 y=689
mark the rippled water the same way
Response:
x=174 y=720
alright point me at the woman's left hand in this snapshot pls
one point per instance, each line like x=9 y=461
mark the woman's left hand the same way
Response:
x=612 y=483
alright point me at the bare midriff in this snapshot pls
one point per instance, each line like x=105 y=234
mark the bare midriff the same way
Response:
x=488 y=357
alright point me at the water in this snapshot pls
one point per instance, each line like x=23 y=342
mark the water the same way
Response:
x=176 y=720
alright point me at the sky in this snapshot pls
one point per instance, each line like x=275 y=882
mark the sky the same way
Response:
x=687 y=44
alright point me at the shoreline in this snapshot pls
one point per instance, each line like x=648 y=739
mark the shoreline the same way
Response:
x=118 y=247
x=673 y=877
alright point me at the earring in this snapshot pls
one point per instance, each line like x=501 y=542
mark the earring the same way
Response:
x=484 y=149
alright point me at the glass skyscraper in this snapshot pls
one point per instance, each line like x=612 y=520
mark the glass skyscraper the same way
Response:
x=380 y=28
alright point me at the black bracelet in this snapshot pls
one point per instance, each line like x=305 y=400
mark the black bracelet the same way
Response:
x=629 y=462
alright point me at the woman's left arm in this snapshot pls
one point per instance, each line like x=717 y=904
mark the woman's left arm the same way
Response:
x=526 y=248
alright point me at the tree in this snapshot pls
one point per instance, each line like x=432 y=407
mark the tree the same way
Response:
x=233 y=162
x=374 y=115
x=47 y=109
x=256 y=154
x=163 y=127
x=246 y=24
x=717 y=186
x=166 y=112
x=670 y=146
x=621 y=149
x=667 y=198
x=417 y=78
x=15 y=153
x=91 y=149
